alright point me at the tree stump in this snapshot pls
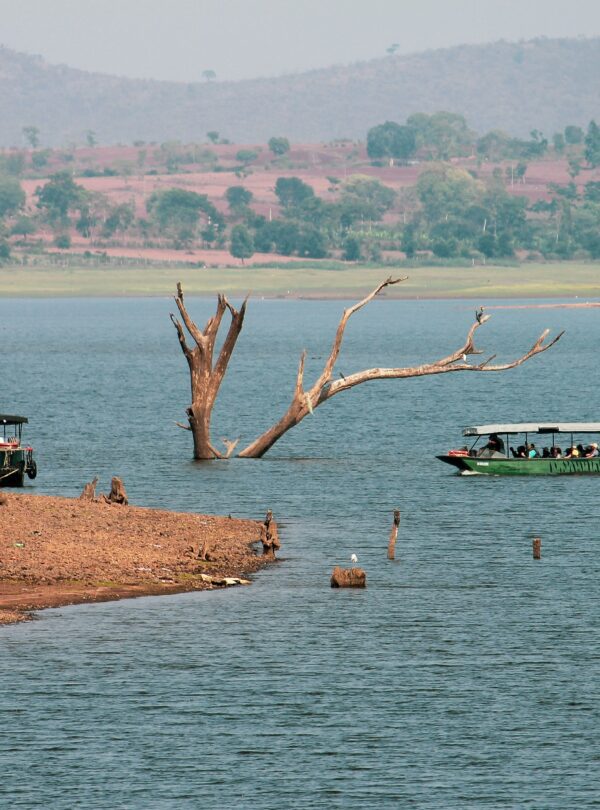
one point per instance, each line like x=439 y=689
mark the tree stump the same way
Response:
x=117 y=493
x=393 y=535
x=348 y=578
x=269 y=536
x=89 y=491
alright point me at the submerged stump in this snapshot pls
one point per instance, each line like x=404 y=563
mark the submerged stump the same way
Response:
x=269 y=536
x=348 y=578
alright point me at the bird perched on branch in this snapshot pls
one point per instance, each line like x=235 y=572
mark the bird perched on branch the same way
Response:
x=479 y=314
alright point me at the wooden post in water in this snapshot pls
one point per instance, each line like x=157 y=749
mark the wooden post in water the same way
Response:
x=393 y=535
x=537 y=548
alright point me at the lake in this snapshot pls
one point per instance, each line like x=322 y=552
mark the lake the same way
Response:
x=465 y=676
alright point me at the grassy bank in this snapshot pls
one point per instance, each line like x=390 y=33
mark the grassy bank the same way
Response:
x=561 y=280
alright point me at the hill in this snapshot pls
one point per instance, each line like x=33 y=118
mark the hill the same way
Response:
x=543 y=83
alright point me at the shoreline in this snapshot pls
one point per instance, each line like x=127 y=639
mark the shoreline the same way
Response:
x=570 y=281
x=65 y=551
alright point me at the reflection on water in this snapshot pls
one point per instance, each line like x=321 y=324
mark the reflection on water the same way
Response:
x=464 y=676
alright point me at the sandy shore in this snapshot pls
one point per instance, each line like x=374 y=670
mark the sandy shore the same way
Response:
x=61 y=551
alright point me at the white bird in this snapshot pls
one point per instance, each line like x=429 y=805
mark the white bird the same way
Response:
x=464 y=357
x=354 y=558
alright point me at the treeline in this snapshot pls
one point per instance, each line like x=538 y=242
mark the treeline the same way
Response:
x=451 y=211
x=444 y=135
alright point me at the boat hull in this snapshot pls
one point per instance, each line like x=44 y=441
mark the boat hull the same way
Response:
x=13 y=464
x=469 y=465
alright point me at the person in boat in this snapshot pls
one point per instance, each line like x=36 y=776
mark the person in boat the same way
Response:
x=572 y=452
x=494 y=445
x=592 y=451
x=520 y=452
x=532 y=452
x=556 y=452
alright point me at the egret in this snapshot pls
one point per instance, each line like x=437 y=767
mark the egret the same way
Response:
x=354 y=558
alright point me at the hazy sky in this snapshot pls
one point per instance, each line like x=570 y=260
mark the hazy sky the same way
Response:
x=178 y=39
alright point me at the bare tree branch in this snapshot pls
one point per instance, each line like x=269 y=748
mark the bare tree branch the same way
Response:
x=196 y=334
x=230 y=445
x=325 y=387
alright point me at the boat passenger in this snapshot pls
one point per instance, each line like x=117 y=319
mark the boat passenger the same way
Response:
x=556 y=452
x=593 y=451
x=532 y=452
x=572 y=452
x=519 y=452
x=546 y=452
x=494 y=445
x=581 y=449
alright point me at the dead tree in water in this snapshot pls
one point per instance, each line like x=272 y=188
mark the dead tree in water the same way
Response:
x=206 y=377
x=205 y=380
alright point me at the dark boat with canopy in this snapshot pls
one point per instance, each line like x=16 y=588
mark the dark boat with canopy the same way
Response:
x=16 y=459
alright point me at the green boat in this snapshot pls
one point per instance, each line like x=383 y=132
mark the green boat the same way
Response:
x=560 y=456
x=16 y=459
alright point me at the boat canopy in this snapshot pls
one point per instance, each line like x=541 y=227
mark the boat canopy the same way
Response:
x=5 y=419
x=534 y=427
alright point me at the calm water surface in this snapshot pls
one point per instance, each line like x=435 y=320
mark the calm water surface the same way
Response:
x=465 y=676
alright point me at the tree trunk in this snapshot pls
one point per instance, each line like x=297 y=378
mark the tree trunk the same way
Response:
x=205 y=376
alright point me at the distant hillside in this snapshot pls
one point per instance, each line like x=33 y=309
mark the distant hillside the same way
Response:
x=543 y=84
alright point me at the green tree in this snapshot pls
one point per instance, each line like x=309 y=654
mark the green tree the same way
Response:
x=246 y=156
x=24 y=226
x=574 y=165
x=292 y=192
x=279 y=235
x=90 y=138
x=213 y=136
x=573 y=135
x=62 y=241
x=558 y=141
x=242 y=243
x=238 y=199
x=12 y=163
x=351 y=246
x=209 y=75
x=367 y=197
x=119 y=218
x=494 y=145
x=592 y=145
x=445 y=134
x=279 y=145
x=391 y=140
x=311 y=242
x=32 y=136
x=12 y=196
x=59 y=196
x=592 y=191
x=177 y=211
x=447 y=191
x=40 y=159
